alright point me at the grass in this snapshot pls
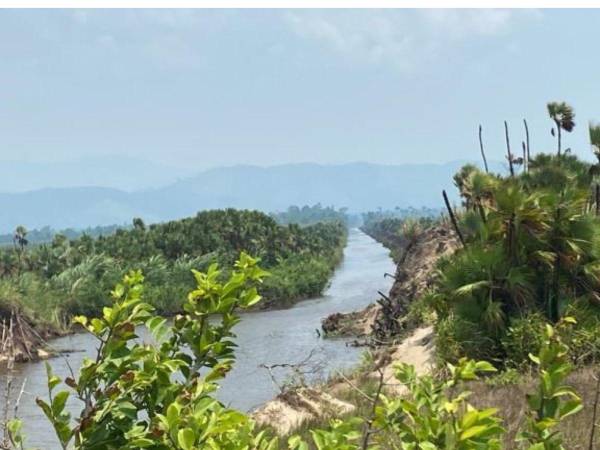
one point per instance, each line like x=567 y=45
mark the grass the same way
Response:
x=508 y=395
x=511 y=401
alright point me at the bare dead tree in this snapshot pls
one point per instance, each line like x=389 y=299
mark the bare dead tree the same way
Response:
x=508 y=153
x=299 y=371
x=595 y=412
x=527 y=141
x=7 y=348
x=369 y=430
x=356 y=388
x=453 y=218
x=482 y=151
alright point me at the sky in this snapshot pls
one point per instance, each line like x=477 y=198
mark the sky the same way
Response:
x=205 y=88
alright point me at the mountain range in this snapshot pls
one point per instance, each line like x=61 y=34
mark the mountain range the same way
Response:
x=108 y=171
x=356 y=186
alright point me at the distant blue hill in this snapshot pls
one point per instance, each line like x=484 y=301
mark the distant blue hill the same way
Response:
x=107 y=171
x=357 y=186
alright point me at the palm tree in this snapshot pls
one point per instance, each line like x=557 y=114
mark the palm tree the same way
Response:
x=477 y=190
x=20 y=241
x=563 y=116
x=595 y=143
x=461 y=181
x=138 y=224
x=20 y=237
x=595 y=168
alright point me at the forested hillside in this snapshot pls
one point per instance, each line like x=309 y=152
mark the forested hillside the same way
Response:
x=358 y=187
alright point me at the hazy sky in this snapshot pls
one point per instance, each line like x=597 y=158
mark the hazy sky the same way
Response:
x=205 y=88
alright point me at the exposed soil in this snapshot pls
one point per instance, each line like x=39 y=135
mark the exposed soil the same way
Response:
x=417 y=350
x=415 y=272
x=20 y=339
x=356 y=323
x=291 y=409
x=414 y=275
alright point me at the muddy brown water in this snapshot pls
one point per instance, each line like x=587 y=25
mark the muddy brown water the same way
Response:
x=266 y=337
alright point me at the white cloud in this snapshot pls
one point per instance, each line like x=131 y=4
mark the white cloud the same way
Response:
x=370 y=36
x=402 y=38
x=169 y=39
x=462 y=23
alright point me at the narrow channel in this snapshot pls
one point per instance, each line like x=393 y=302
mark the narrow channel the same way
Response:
x=267 y=337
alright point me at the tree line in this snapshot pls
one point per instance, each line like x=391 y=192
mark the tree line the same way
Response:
x=66 y=276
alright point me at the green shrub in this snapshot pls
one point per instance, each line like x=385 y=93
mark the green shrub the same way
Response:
x=524 y=336
x=584 y=339
x=505 y=378
x=141 y=396
x=457 y=338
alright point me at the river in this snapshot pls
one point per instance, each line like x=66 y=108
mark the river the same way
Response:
x=266 y=337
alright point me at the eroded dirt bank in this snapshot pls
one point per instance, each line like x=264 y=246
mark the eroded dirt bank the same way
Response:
x=379 y=321
x=20 y=339
x=414 y=275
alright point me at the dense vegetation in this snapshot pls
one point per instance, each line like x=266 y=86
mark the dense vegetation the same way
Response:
x=46 y=234
x=309 y=215
x=396 y=233
x=529 y=262
x=135 y=395
x=396 y=228
x=373 y=217
x=531 y=255
x=73 y=276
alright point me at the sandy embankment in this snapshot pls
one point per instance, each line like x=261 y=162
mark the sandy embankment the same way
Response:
x=414 y=275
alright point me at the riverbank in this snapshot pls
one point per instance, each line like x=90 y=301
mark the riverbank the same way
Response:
x=22 y=340
x=301 y=408
x=414 y=274
x=294 y=279
x=263 y=337
x=412 y=342
x=46 y=285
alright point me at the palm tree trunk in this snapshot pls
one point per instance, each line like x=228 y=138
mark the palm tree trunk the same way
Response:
x=509 y=154
x=527 y=141
x=558 y=136
x=482 y=152
x=453 y=218
x=556 y=281
x=595 y=412
x=511 y=238
x=481 y=212
x=556 y=289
